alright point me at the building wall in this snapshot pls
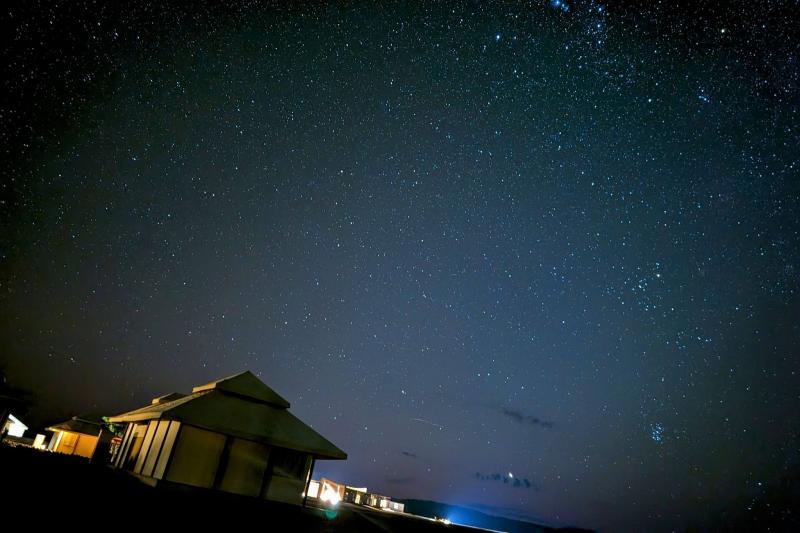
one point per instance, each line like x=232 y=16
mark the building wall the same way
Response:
x=330 y=491
x=146 y=447
x=313 y=489
x=355 y=495
x=287 y=475
x=245 y=467
x=74 y=443
x=394 y=506
x=180 y=453
x=195 y=457
x=13 y=427
x=65 y=442
x=85 y=446
x=132 y=446
x=285 y=490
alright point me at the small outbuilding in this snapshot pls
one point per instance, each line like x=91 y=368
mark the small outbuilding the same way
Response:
x=14 y=427
x=77 y=436
x=235 y=435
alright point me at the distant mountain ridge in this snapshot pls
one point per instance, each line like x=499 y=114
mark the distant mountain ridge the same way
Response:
x=471 y=517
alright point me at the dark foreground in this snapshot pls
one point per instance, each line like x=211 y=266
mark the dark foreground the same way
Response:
x=41 y=488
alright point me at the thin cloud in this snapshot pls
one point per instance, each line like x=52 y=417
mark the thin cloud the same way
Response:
x=515 y=482
x=521 y=418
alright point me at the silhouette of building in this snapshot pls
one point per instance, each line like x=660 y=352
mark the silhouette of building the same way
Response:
x=235 y=435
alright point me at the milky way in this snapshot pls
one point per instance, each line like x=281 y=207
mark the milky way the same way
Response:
x=554 y=238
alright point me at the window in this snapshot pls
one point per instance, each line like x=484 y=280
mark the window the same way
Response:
x=155 y=448
x=287 y=463
x=196 y=456
x=245 y=468
x=166 y=449
x=148 y=440
x=137 y=437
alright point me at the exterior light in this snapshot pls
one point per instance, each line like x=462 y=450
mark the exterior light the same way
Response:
x=329 y=495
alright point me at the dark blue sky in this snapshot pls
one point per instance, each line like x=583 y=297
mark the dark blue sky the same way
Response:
x=553 y=239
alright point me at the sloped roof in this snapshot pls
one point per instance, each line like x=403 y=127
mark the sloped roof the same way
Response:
x=78 y=425
x=237 y=406
x=167 y=398
x=247 y=385
x=16 y=420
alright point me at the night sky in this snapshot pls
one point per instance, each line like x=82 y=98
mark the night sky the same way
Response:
x=553 y=239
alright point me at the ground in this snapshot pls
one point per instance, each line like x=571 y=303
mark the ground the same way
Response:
x=47 y=488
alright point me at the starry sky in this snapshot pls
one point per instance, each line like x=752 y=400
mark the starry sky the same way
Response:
x=540 y=258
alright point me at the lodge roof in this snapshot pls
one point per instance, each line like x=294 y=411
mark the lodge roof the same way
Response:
x=243 y=406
